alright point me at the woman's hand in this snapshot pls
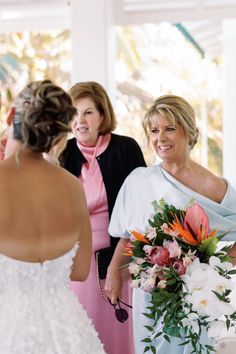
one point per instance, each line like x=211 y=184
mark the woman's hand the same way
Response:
x=113 y=284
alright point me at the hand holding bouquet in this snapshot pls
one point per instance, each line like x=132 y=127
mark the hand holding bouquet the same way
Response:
x=177 y=261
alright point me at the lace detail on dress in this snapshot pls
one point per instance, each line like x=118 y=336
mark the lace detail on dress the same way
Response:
x=39 y=314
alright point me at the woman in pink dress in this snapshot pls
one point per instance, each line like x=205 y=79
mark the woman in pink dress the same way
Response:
x=101 y=160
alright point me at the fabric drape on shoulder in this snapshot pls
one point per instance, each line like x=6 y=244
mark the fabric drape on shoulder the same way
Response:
x=133 y=205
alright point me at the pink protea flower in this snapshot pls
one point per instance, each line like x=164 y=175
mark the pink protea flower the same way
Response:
x=179 y=267
x=160 y=256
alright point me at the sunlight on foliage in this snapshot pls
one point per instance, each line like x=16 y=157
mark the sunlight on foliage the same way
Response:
x=151 y=60
x=28 y=56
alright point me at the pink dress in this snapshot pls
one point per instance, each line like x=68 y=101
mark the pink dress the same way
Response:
x=117 y=337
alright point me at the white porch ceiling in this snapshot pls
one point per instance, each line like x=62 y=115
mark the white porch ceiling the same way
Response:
x=202 y=19
x=19 y=15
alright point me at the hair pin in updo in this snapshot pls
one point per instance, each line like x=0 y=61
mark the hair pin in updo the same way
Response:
x=17 y=117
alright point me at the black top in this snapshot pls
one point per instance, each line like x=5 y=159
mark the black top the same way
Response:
x=122 y=156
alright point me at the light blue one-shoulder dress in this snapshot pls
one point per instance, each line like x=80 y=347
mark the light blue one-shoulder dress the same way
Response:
x=133 y=209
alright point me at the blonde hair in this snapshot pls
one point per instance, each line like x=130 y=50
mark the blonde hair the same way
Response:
x=98 y=95
x=177 y=110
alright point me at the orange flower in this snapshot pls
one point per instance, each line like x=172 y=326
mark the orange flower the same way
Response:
x=182 y=233
x=139 y=236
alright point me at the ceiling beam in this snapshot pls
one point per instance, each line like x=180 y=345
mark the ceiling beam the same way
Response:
x=137 y=15
x=34 y=16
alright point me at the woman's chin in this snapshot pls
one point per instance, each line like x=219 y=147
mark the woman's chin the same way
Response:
x=85 y=142
x=165 y=156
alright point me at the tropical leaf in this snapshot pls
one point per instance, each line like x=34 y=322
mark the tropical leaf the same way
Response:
x=209 y=246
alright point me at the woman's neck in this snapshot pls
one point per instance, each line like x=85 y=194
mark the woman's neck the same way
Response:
x=176 y=168
x=26 y=155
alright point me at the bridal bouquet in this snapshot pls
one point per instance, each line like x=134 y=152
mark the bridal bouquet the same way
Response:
x=177 y=261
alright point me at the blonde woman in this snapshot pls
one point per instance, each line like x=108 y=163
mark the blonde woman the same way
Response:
x=171 y=128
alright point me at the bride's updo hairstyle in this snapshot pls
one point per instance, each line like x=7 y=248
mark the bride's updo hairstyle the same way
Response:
x=43 y=113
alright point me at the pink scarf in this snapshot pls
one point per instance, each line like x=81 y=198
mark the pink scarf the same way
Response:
x=91 y=176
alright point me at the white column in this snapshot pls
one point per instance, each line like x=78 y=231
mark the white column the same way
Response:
x=229 y=100
x=93 y=48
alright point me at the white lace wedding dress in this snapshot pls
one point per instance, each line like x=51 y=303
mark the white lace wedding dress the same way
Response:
x=39 y=314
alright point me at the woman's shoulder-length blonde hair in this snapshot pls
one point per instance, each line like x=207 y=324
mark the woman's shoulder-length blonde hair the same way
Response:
x=177 y=110
x=98 y=94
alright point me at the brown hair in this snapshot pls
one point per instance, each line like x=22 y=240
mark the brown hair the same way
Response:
x=177 y=110
x=43 y=112
x=102 y=102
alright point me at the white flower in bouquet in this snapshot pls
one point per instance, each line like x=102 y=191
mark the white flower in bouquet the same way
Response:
x=162 y=284
x=134 y=269
x=216 y=328
x=203 y=284
x=217 y=282
x=215 y=262
x=148 y=284
x=206 y=303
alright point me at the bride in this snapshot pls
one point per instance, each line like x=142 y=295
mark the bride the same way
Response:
x=45 y=235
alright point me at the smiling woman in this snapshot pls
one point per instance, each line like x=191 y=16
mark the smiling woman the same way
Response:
x=101 y=160
x=171 y=128
x=168 y=139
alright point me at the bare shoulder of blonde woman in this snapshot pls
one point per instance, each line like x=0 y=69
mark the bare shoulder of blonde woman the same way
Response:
x=213 y=186
x=79 y=212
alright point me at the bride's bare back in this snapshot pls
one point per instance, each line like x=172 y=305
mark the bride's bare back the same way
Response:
x=43 y=210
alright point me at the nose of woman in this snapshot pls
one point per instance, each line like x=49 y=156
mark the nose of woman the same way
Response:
x=79 y=116
x=161 y=135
